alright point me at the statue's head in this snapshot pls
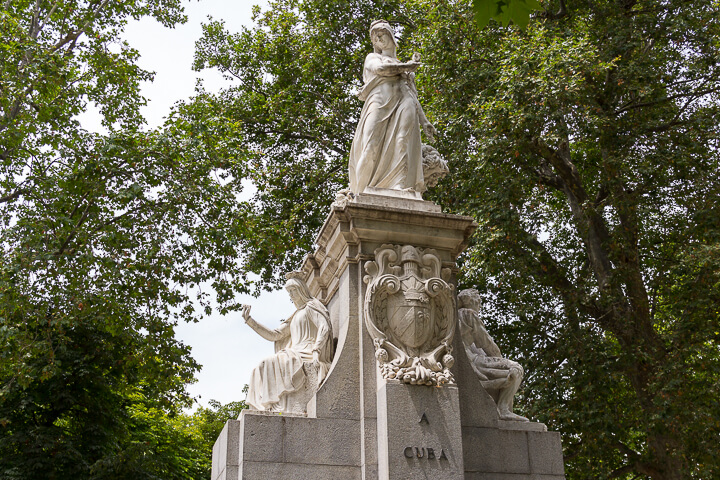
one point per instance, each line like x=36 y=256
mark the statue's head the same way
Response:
x=297 y=289
x=469 y=298
x=377 y=27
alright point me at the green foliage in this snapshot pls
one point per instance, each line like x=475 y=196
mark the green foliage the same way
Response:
x=585 y=146
x=206 y=425
x=504 y=11
x=295 y=74
x=106 y=241
x=587 y=150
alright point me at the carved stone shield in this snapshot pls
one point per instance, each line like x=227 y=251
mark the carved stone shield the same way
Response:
x=409 y=312
x=411 y=324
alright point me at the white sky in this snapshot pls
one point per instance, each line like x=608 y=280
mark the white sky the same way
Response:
x=227 y=349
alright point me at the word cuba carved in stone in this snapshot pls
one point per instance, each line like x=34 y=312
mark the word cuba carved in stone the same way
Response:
x=409 y=313
x=424 y=452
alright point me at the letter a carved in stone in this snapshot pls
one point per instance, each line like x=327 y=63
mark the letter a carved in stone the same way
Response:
x=410 y=314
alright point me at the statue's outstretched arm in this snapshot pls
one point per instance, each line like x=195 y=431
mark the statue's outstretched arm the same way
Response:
x=391 y=69
x=270 y=334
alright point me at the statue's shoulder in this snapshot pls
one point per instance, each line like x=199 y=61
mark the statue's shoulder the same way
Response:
x=315 y=305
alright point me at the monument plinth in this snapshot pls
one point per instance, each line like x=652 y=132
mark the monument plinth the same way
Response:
x=360 y=424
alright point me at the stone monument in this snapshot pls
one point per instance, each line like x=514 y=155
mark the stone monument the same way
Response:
x=400 y=397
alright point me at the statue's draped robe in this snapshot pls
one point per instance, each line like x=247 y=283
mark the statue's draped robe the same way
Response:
x=483 y=353
x=283 y=373
x=386 y=151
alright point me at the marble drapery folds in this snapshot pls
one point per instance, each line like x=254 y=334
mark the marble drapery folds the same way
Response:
x=303 y=339
x=386 y=151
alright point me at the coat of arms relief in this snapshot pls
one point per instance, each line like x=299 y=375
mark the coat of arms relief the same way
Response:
x=410 y=314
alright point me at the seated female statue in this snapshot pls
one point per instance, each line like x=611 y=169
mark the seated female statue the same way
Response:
x=303 y=339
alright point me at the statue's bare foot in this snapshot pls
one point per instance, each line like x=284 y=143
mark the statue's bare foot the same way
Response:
x=513 y=417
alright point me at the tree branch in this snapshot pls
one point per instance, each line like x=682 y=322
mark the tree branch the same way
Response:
x=73 y=36
x=13 y=196
x=74 y=230
x=562 y=12
x=49 y=14
x=547 y=271
x=546 y=176
x=589 y=223
x=692 y=95
x=35 y=22
x=623 y=471
x=302 y=136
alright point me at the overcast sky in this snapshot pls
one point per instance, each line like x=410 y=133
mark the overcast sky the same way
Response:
x=227 y=349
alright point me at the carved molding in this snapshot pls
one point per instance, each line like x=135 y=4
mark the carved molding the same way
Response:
x=410 y=314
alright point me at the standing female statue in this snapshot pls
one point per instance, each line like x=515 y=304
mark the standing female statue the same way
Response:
x=303 y=338
x=386 y=151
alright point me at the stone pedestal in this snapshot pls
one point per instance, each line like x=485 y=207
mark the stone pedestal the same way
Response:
x=360 y=425
x=419 y=432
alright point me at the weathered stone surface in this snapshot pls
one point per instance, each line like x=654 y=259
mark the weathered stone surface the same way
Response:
x=381 y=197
x=370 y=221
x=510 y=476
x=545 y=453
x=418 y=432
x=262 y=436
x=524 y=426
x=492 y=450
x=495 y=450
x=321 y=441
x=339 y=396
x=226 y=452
x=298 y=471
x=277 y=438
x=359 y=426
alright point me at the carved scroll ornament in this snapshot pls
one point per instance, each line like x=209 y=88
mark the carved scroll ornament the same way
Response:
x=409 y=313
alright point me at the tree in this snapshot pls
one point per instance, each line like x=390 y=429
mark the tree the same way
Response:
x=105 y=239
x=206 y=425
x=504 y=11
x=587 y=149
x=592 y=162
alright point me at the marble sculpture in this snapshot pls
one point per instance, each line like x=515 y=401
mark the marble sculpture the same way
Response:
x=500 y=377
x=386 y=151
x=410 y=314
x=285 y=381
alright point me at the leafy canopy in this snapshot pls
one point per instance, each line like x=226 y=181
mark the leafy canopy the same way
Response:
x=104 y=242
x=504 y=11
